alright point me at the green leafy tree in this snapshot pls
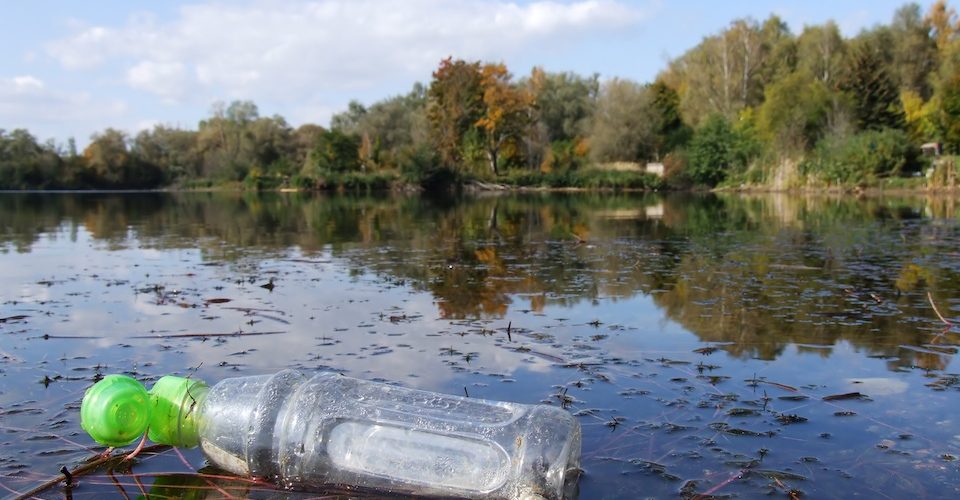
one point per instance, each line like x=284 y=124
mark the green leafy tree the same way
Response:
x=669 y=131
x=943 y=108
x=950 y=113
x=112 y=163
x=794 y=114
x=302 y=142
x=26 y=164
x=390 y=130
x=172 y=150
x=225 y=140
x=875 y=96
x=564 y=103
x=821 y=51
x=349 y=121
x=271 y=149
x=108 y=158
x=780 y=47
x=622 y=128
x=714 y=151
x=914 y=50
x=335 y=151
x=724 y=73
x=455 y=104
x=561 y=112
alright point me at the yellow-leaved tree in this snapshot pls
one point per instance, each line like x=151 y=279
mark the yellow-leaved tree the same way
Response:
x=506 y=112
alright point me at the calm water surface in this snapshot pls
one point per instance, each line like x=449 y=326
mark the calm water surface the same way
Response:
x=698 y=339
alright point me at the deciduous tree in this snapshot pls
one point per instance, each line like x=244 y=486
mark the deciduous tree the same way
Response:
x=623 y=124
x=914 y=51
x=506 y=111
x=821 y=51
x=794 y=114
x=455 y=103
x=108 y=158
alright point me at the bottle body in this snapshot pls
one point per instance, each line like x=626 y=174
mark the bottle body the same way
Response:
x=331 y=429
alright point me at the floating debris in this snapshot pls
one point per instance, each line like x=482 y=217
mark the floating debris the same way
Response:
x=742 y=412
x=845 y=396
x=706 y=351
x=787 y=419
x=793 y=397
x=217 y=301
x=726 y=428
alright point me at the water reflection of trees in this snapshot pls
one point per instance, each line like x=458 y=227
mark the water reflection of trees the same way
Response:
x=758 y=272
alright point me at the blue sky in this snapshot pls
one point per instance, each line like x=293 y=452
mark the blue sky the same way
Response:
x=70 y=69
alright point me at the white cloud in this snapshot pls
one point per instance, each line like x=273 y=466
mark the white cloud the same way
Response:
x=71 y=53
x=26 y=84
x=26 y=101
x=165 y=79
x=293 y=50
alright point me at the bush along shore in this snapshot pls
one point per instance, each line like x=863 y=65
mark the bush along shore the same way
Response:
x=754 y=106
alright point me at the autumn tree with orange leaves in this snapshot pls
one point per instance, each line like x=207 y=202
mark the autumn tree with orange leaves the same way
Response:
x=506 y=112
x=455 y=104
x=476 y=107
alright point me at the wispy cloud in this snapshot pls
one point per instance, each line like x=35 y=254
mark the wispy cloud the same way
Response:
x=27 y=101
x=289 y=50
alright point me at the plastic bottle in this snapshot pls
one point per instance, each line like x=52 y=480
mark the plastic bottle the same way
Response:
x=335 y=430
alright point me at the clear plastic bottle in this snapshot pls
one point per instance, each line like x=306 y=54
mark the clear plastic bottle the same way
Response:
x=336 y=430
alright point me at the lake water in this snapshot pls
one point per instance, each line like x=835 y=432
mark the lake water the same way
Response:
x=724 y=345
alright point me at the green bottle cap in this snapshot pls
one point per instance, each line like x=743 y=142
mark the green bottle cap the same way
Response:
x=174 y=419
x=115 y=411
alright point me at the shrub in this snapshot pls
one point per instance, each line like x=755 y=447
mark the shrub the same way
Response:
x=716 y=150
x=589 y=178
x=863 y=158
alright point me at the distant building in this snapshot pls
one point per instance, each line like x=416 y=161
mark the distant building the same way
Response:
x=655 y=168
x=931 y=149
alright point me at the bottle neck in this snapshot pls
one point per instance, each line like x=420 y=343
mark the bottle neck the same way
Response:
x=178 y=408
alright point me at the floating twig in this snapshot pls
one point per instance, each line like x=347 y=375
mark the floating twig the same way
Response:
x=848 y=395
x=249 y=309
x=711 y=491
x=69 y=475
x=47 y=336
x=932 y=304
x=203 y=335
x=775 y=384
x=308 y=261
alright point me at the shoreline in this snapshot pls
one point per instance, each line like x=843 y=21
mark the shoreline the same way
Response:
x=488 y=187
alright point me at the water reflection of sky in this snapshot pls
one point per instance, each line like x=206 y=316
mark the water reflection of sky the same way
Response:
x=329 y=318
x=605 y=323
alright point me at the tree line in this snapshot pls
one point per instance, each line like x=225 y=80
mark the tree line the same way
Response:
x=753 y=104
